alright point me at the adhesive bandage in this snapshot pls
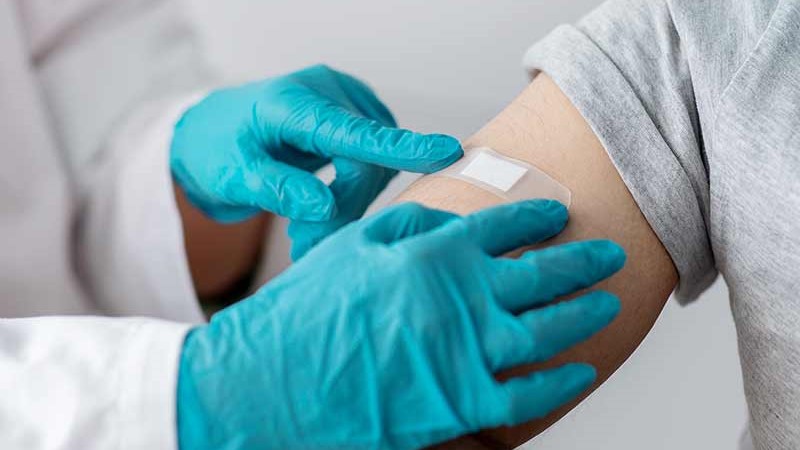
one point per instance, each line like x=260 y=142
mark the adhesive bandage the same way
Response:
x=508 y=178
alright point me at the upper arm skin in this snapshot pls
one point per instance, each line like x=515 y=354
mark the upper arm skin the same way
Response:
x=543 y=128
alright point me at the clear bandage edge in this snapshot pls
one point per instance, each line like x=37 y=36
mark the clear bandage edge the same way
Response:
x=508 y=178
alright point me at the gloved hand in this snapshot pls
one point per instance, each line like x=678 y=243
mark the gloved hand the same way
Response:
x=255 y=147
x=387 y=334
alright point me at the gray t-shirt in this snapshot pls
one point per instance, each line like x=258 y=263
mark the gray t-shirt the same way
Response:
x=698 y=105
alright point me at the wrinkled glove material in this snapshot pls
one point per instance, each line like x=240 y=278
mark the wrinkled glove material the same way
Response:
x=388 y=334
x=253 y=148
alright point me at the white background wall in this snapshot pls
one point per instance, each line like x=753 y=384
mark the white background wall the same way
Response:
x=449 y=66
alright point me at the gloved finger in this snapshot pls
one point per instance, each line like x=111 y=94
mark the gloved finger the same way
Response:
x=355 y=188
x=328 y=129
x=539 y=276
x=503 y=228
x=403 y=221
x=558 y=327
x=282 y=189
x=540 y=334
x=365 y=99
x=539 y=393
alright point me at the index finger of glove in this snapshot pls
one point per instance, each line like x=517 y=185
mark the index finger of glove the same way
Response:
x=507 y=227
x=322 y=127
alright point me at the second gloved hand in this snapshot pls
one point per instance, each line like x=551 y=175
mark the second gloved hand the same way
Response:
x=387 y=335
x=253 y=148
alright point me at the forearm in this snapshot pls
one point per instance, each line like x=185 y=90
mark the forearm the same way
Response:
x=543 y=128
x=219 y=255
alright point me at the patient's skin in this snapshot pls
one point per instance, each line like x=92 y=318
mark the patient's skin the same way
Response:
x=543 y=128
x=219 y=255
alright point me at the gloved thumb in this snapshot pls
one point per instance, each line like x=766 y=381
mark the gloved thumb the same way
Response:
x=284 y=190
x=356 y=186
x=403 y=221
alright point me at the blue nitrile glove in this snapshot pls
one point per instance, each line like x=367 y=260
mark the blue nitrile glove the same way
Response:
x=355 y=187
x=255 y=147
x=388 y=333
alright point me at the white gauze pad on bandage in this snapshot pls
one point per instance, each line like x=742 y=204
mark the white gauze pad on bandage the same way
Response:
x=508 y=178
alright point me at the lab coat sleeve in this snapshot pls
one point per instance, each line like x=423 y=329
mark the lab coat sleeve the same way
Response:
x=131 y=242
x=48 y=366
x=115 y=93
x=114 y=90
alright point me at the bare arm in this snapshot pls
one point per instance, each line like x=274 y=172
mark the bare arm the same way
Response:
x=219 y=255
x=543 y=128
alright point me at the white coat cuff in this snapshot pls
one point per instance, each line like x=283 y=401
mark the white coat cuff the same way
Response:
x=151 y=220
x=149 y=374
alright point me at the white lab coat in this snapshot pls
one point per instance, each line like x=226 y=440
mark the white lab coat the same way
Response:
x=89 y=228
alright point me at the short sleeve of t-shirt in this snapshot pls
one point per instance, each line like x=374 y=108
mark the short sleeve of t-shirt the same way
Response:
x=625 y=69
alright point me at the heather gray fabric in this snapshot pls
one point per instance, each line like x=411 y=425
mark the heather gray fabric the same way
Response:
x=698 y=105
